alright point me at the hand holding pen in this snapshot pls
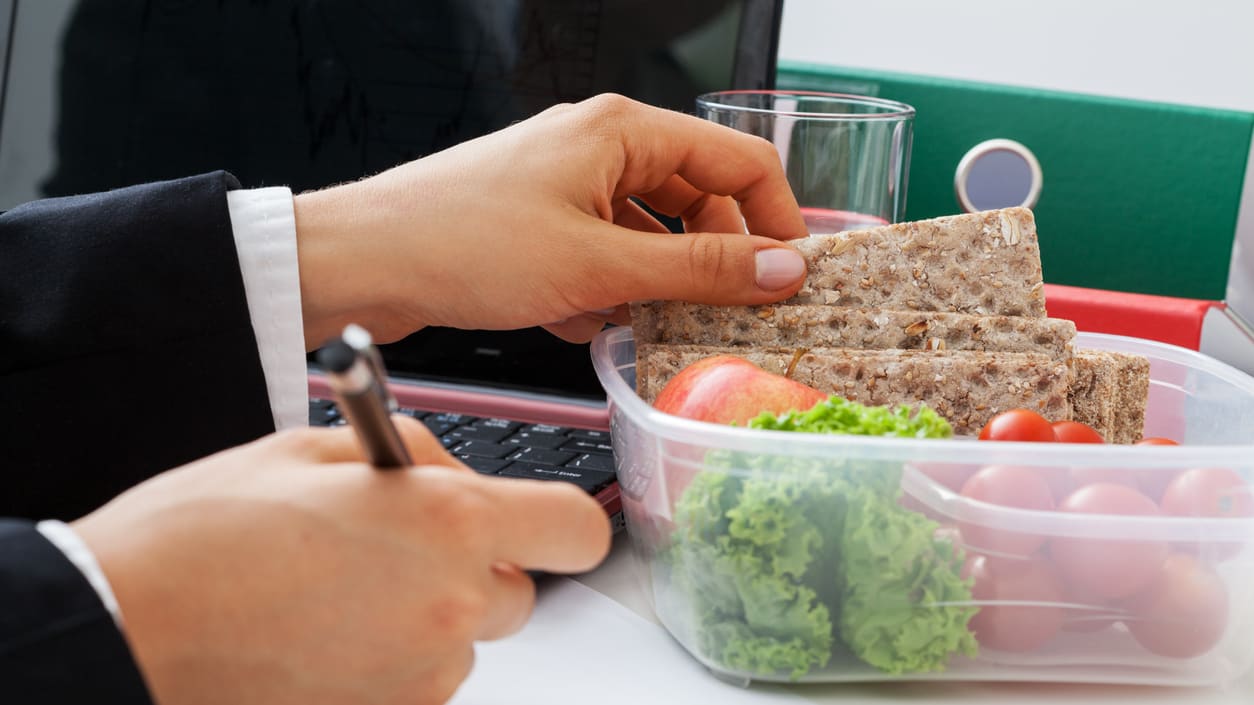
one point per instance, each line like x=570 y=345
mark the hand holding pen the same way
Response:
x=291 y=551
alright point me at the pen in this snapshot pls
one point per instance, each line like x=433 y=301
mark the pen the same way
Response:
x=360 y=340
x=362 y=395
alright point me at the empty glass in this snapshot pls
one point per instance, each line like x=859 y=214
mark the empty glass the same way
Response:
x=847 y=157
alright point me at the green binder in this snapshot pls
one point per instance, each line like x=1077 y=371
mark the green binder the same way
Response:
x=1137 y=196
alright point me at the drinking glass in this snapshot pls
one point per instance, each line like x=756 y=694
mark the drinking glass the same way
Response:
x=847 y=157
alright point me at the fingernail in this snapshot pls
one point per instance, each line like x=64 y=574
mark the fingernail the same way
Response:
x=778 y=267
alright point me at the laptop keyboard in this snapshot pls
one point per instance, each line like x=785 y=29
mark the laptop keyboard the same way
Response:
x=509 y=448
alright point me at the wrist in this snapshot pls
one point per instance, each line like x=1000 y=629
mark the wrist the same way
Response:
x=335 y=241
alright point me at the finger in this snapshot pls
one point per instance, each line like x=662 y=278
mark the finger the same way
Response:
x=449 y=674
x=554 y=526
x=700 y=211
x=712 y=158
x=709 y=268
x=620 y=316
x=513 y=596
x=576 y=329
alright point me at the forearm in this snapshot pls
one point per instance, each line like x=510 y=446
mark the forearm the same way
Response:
x=348 y=270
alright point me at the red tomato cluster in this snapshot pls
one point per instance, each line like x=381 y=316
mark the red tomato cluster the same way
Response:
x=1167 y=595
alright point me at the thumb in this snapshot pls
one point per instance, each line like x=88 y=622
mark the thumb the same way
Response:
x=709 y=268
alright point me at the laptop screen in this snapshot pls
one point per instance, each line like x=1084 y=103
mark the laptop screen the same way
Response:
x=307 y=93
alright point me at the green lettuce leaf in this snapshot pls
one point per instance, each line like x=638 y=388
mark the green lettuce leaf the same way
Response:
x=781 y=559
x=839 y=415
x=896 y=574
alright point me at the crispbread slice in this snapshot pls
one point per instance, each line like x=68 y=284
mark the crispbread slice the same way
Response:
x=1109 y=392
x=679 y=323
x=983 y=263
x=967 y=388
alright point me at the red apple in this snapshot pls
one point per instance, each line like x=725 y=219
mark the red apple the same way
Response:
x=727 y=389
x=722 y=389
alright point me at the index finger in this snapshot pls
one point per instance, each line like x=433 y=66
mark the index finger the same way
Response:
x=659 y=143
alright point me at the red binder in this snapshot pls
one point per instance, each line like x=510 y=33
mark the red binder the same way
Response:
x=1163 y=318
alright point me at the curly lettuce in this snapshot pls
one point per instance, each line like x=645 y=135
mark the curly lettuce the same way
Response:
x=784 y=559
x=839 y=415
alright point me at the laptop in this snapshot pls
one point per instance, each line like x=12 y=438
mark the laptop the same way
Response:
x=308 y=94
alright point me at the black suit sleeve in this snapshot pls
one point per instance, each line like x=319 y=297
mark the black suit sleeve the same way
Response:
x=58 y=643
x=125 y=343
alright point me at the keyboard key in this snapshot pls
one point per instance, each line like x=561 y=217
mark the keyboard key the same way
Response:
x=484 y=466
x=547 y=429
x=322 y=412
x=544 y=456
x=537 y=440
x=504 y=424
x=449 y=442
x=438 y=427
x=419 y=414
x=588 y=434
x=479 y=432
x=482 y=449
x=582 y=445
x=593 y=461
x=441 y=424
x=591 y=481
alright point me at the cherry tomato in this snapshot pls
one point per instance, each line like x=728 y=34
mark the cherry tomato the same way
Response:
x=1076 y=432
x=1064 y=481
x=1156 y=441
x=1107 y=568
x=1087 y=613
x=1020 y=602
x=1213 y=493
x=1018 y=425
x=1184 y=612
x=1006 y=486
x=1092 y=476
x=950 y=475
x=1153 y=482
x=1059 y=479
x=1208 y=492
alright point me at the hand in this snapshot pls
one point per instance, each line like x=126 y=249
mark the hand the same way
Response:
x=535 y=225
x=289 y=571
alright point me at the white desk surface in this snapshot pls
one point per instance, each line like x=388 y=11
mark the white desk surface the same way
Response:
x=616 y=579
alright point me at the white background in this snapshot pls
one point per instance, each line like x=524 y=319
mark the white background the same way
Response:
x=1196 y=52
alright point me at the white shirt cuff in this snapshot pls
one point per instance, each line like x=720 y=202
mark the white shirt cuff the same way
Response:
x=60 y=534
x=264 y=223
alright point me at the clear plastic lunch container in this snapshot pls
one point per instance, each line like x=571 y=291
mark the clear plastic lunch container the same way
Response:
x=788 y=557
